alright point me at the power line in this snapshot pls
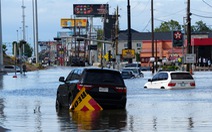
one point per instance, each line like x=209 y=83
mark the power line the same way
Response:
x=138 y=3
x=201 y=15
x=144 y=7
x=140 y=12
x=159 y=20
x=206 y=3
x=201 y=11
x=174 y=13
x=146 y=25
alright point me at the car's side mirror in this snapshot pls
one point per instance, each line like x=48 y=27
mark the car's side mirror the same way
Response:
x=149 y=80
x=62 y=79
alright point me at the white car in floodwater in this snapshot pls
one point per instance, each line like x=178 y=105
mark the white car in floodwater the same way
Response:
x=135 y=70
x=11 y=68
x=171 y=80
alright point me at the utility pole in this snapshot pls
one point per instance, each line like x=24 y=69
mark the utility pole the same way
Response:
x=129 y=30
x=23 y=27
x=23 y=21
x=33 y=23
x=189 y=66
x=116 y=29
x=36 y=31
x=152 y=19
x=75 y=40
x=1 y=51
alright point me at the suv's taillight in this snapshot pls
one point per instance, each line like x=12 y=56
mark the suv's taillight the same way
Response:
x=171 y=84
x=193 y=84
x=87 y=87
x=121 y=89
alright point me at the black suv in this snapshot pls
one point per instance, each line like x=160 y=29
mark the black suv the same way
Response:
x=106 y=86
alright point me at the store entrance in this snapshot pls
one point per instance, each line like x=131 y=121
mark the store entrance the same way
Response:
x=205 y=52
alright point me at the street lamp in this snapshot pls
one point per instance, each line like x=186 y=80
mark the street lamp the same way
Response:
x=20 y=28
x=1 y=52
x=17 y=35
x=26 y=33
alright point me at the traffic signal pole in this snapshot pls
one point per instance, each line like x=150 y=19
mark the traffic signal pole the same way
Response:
x=1 y=51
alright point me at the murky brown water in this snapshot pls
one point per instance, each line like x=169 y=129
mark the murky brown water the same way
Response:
x=27 y=103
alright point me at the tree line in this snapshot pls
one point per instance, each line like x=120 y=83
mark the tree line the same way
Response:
x=173 y=25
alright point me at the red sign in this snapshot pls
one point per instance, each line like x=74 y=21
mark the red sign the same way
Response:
x=177 y=35
x=96 y=10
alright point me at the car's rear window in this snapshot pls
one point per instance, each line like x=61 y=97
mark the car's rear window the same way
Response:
x=125 y=73
x=180 y=76
x=133 y=65
x=103 y=77
x=9 y=67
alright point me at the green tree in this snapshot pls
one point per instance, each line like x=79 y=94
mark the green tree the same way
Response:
x=15 y=43
x=137 y=57
x=27 y=49
x=200 y=26
x=168 y=26
x=4 y=48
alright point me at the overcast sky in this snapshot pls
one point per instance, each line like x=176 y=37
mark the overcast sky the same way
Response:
x=51 y=11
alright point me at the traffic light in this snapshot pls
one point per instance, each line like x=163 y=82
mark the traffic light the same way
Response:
x=109 y=55
x=177 y=39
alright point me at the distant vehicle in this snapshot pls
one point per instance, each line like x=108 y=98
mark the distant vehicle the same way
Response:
x=32 y=60
x=137 y=64
x=11 y=68
x=126 y=74
x=135 y=70
x=171 y=80
x=105 y=86
x=77 y=61
x=145 y=68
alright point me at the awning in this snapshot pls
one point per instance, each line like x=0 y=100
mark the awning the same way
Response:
x=201 y=42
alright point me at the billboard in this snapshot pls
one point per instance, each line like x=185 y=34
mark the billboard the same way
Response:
x=128 y=53
x=68 y=23
x=65 y=34
x=95 y=10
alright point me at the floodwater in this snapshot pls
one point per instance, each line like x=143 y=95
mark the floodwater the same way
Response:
x=27 y=104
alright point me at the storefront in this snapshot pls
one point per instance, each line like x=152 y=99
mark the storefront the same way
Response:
x=203 y=47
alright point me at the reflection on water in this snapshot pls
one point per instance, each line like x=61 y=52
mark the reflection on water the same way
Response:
x=2 y=106
x=2 y=115
x=94 y=120
x=38 y=116
x=190 y=123
x=1 y=82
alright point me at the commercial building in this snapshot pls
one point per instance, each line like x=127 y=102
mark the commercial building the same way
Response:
x=163 y=47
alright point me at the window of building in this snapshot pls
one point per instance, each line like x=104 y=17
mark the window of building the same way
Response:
x=138 y=45
x=125 y=46
x=144 y=59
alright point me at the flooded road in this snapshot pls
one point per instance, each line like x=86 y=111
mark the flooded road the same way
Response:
x=27 y=104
